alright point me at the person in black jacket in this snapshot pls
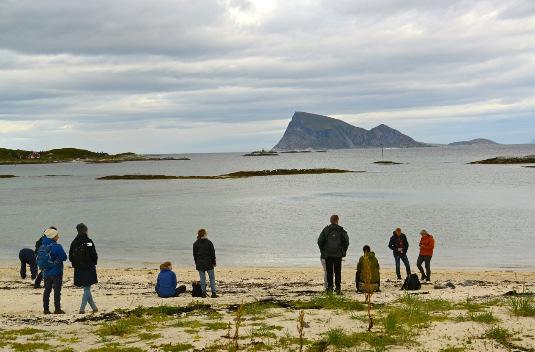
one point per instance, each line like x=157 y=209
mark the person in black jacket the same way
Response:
x=204 y=256
x=27 y=257
x=399 y=246
x=83 y=257
x=333 y=243
x=39 y=278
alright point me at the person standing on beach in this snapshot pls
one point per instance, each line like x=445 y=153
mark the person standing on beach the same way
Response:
x=205 y=261
x=50 y=258
x=27 y=257
x=84 y=258
x=333 y=243
x=427 y=244
x=166 y=284
x=399 y=246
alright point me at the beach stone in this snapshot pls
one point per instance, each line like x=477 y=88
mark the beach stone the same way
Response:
x=443 y=285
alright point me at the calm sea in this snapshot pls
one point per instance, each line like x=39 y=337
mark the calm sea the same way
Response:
x=481 y=215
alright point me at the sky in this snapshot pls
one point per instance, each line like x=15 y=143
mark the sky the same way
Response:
x=227 y=75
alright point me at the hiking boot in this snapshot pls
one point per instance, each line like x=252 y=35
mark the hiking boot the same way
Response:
x=214 y=295
x=399 y=278
x=81 y=312
x=95 y=310
x=423 y=277
x=204 y=295
x=59 y=311
x=47 y=312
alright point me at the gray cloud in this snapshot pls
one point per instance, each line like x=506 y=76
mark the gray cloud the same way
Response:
x=74 y=68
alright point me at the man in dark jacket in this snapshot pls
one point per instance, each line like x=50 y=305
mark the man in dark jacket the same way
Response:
x=39 y=278
x=333 y=243
x=27 y=257
x=83 y=256
x=205 y=261
x=399 y=246
x=53 y=275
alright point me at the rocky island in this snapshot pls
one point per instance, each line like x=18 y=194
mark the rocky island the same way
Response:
x=308 y=131
x=233 y=175
x=18 y=156
x=477 y=141
x=528 y=159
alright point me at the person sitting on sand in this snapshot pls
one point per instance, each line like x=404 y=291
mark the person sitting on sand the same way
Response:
x=166 y=284
x=83 y=256
x=368 y=277
x=27 y=258
x=205 y=261
x=427 y=244
x=333 y=243
x=399 y=246
x=50 y=258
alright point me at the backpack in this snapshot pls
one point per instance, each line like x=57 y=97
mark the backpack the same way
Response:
x=196 y=290
x=44 y=257
x=412 y=283
x=334 y=242
x=81 y=256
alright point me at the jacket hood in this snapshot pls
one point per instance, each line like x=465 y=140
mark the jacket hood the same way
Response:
x=164 y=269
x=47 y=241
x=371 y=254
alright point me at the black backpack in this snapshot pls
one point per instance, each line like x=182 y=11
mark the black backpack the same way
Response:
x=412 y=283
x=81 y=256
x=196 y=290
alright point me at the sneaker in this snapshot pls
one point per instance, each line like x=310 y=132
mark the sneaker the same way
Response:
x=47 y=312
x=59 y=311
x=214 y=295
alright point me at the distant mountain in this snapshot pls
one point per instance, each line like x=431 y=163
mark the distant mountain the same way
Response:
x=311 y=131
x=477 y=141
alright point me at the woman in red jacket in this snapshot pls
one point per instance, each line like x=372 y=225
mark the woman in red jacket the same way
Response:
x=427 y=244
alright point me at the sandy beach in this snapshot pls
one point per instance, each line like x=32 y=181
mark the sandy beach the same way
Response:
x=475 y=315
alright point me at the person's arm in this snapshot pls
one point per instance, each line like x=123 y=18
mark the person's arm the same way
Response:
x=157 y=288
x=61 y=253
x=406 y=245
x=321 y=239
x=345 y=241
x=195 y=252
x=432 y=244
x=391 y=244
x=71 y=249
x=212 y=253
x=173 y=278
x=93 y=253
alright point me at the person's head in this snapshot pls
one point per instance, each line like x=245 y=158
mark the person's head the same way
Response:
x=334 y=219
x=398 y=231
x=51 y=233
x=166 y=266
x=202 y=233
x=81 y=228
x=366 y=249
x=424 y=233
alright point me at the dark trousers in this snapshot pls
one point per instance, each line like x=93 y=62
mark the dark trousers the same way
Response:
x=427 y=260
x=32 y=265
x=334 y=266
x=38 y=280
x=179 y=290
x=405 y=261
x=52 y=282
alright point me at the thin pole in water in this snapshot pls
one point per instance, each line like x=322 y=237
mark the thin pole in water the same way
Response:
x=382 y=152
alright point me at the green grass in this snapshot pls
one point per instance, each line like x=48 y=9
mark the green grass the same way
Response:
x=31 y=346
x=339 y=338
x=21 y=332
x=177 y=347
x=329 y=301
x=430 y=305
x=216 y=325
x=453 y=349
x=115 y=347
x=147 y=336
x=522 y=306
x=498 y=334
x=485 y=318
x=123 y=327
x=470 y=305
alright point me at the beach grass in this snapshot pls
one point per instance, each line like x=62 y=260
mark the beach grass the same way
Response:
x=522 y=306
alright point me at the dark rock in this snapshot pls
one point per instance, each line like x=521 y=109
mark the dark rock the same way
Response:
x=311 y=131
x=477 y=141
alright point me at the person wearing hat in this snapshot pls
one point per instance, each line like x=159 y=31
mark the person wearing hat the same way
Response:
x=166 y=284
x=53 y=275
x=83 y=256
x=38 y=243
x=427 y=245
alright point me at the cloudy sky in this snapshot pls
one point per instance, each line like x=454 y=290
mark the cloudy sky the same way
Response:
x=227 y=75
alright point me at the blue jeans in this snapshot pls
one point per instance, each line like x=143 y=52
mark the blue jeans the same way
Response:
x=405 y=260
x=202 y=277
x=87 y=298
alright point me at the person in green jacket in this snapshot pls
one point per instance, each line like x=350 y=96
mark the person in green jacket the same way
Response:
x=368 y=277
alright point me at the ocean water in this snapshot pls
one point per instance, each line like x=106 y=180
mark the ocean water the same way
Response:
x=482 y=216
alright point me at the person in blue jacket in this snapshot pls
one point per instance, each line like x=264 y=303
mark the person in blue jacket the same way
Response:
x=166 y=282
x=27 y=258
x=53 y=276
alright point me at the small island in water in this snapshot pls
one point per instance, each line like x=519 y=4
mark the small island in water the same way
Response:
x=499 y=160
x=233 y=175
x=18 y=156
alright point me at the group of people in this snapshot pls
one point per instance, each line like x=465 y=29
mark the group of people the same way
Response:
x=333 y=243
x=46 y=264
